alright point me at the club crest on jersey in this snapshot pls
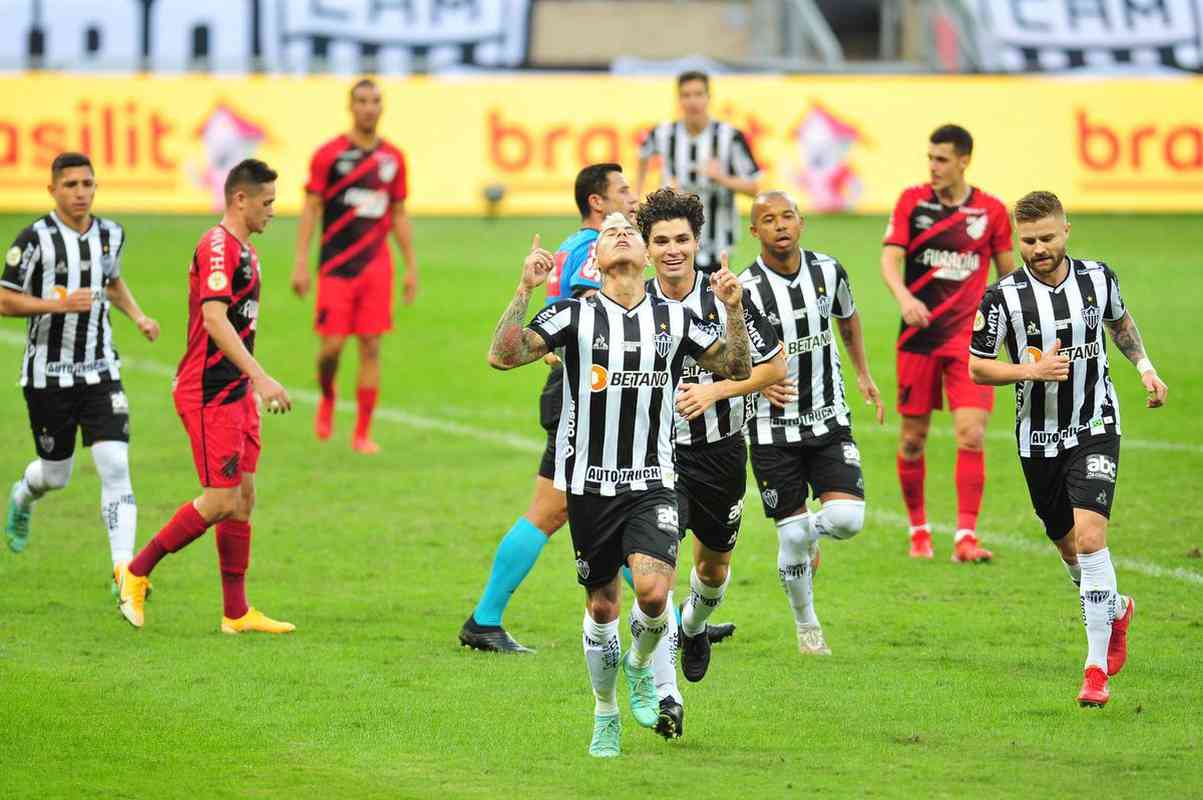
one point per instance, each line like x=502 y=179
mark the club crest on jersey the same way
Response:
x=824 y=304
x=1091 y=316
x=664 y=344
x=388 y=168
x=770 y=498
x=976 y=226
x=582 y=569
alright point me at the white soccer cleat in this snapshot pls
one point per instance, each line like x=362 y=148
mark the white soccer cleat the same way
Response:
x=811 y=641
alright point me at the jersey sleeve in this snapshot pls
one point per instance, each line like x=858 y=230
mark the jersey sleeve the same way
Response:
x=648 y=146
x=989 y=325
x=1115 y=309
x=842 y=306
x=319 y=172
x=898 y=229
x=113 y=268
x=697 y=339
x=743 y=163
x=19 y=261
x=1000 y=239
x=553 y=324
x=581 y=267
x=762 y=335
x=398 y=188
x=216 y=260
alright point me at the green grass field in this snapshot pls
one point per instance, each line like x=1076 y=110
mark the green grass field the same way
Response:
x=947 y=681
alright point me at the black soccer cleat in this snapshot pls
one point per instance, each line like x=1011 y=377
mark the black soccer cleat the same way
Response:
x=723 y=630
x=695 y=655
x=671 y=724
x=490 y=638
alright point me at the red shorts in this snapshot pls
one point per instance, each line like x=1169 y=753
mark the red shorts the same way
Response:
x=362 y=305
x=922 y=375
x=225 y=441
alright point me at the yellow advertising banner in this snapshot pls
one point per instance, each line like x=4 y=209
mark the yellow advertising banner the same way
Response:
x=163 y=144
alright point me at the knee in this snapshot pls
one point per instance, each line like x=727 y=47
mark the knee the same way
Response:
x=970 y=437
x=912 y=444
x=653 y=599
x=547 y=517
x=795 y=534
x=602 y=608
x=56 y=474
x=112 y=464
x=712 y=572
x=841 y=519
x=1089 y=538
x=246 y=504
x=330 y=350
x=369 y=348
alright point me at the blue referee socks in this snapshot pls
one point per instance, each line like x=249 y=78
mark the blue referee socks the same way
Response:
x=517 y=553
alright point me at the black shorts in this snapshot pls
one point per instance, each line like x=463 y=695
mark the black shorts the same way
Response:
x=711 y=481
x=100 y=410
x=1080 y=477
x=828 y=463
x=551 y=400
x=607 y=530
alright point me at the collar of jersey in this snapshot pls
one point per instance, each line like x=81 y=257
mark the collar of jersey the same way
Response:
x=1054 y=289
x=791 y=281
x=64 y=226
x=697 y=281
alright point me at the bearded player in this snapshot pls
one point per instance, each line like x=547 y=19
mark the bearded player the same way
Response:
x=357 y=182
x=215 y=393
x=935 y=259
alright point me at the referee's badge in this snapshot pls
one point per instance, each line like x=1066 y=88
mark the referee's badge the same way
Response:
x=664 y=344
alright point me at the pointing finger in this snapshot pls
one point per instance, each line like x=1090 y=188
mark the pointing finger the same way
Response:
x=722 y=259
x=534 y=245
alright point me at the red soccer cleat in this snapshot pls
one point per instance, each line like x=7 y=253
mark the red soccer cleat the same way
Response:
x=1117 y=650
x=323 y=423
x=966 y=551
x=362 y=444
x=921 y=544
x=1094 y=692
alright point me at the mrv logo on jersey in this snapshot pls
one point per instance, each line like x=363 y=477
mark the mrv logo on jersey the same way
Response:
x=603 y=475
x=600 y=378
x=808 y=343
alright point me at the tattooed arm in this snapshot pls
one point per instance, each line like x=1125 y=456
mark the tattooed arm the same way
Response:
x=513 y=344
x=1127 y=338
x=731 y=356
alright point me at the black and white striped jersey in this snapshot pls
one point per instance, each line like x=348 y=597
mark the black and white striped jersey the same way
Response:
x=621 y=368
x=50 y=260
x=800 y=308
x=726 y=417
x=684 y=165
x=1028 y=316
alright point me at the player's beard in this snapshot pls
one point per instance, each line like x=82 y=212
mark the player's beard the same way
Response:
x=1047 y=268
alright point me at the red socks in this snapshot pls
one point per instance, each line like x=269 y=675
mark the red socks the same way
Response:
x=325 y=380
x=971 y=482
x=186 y=525
x=911 y=475
x=234 y=555
x=366 y=399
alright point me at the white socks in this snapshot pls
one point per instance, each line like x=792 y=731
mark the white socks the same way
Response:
x=40 y=477
x=1100 y=604
x=646 y=633
x=1075 y=572
x=602 y=652
x=664 y=659
x=795 y=536
x=117 y=507
x=702 y=601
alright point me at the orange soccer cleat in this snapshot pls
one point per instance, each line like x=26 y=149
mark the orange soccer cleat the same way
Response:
x=1117 y=649
x=254 y=620
x=323 y=423
x=362 y=444
x=921 y=543
x=131 y=594
x=966 y=550
x=1094 y=692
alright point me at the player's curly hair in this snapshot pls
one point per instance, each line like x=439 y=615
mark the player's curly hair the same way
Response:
x=666 y=204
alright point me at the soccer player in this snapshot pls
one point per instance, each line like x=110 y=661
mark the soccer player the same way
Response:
x=801 y=431
x=357 y=182
x=705 y=157
x=623 y=352
x=601 y=190
x=216 y=389
x=62 y=273
x=711 y=455
x=1050 y=315
x=944 y=235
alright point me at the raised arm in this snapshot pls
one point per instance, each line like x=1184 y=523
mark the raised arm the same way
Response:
x=515 y=345
x=731 y=355
x=1127 y=338
x=854 y=344
x=122 y=298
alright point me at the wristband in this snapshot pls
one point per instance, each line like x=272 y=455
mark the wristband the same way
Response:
x=1145 y=365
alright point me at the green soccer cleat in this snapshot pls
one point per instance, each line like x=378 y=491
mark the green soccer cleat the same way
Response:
x=606 y=730
x=642 y=683
x=16 y=523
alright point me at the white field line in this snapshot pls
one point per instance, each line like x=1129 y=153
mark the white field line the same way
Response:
x=528 y=445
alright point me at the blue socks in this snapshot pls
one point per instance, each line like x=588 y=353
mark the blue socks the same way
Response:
x=517 y=553
x=626 y=576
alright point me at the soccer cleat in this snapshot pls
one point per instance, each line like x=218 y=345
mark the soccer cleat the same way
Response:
x=16 y=522
x=1117 y=649
x=695 y=655
x=642 y=684
x=254 y=620
x=966 y=551
x=607 y=728
x=362 y=444
x=1094 y=692
x=672 y=719
x=131 y=594
x=811 y=641
x=921 y=544
x=115 y=590
x=722 y=630
x=490 y=638
x=323 y=423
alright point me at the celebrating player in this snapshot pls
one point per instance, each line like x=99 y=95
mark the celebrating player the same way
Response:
x=623 y=352
x=1051 y=315
x=945 y=232
x=357 y=183
x=215 y=394
x=62 y=273
x=601 y=190
x=801 y=431
x=702 y=156
x=711 y=455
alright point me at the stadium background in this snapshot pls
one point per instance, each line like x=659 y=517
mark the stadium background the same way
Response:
x=946 y=681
